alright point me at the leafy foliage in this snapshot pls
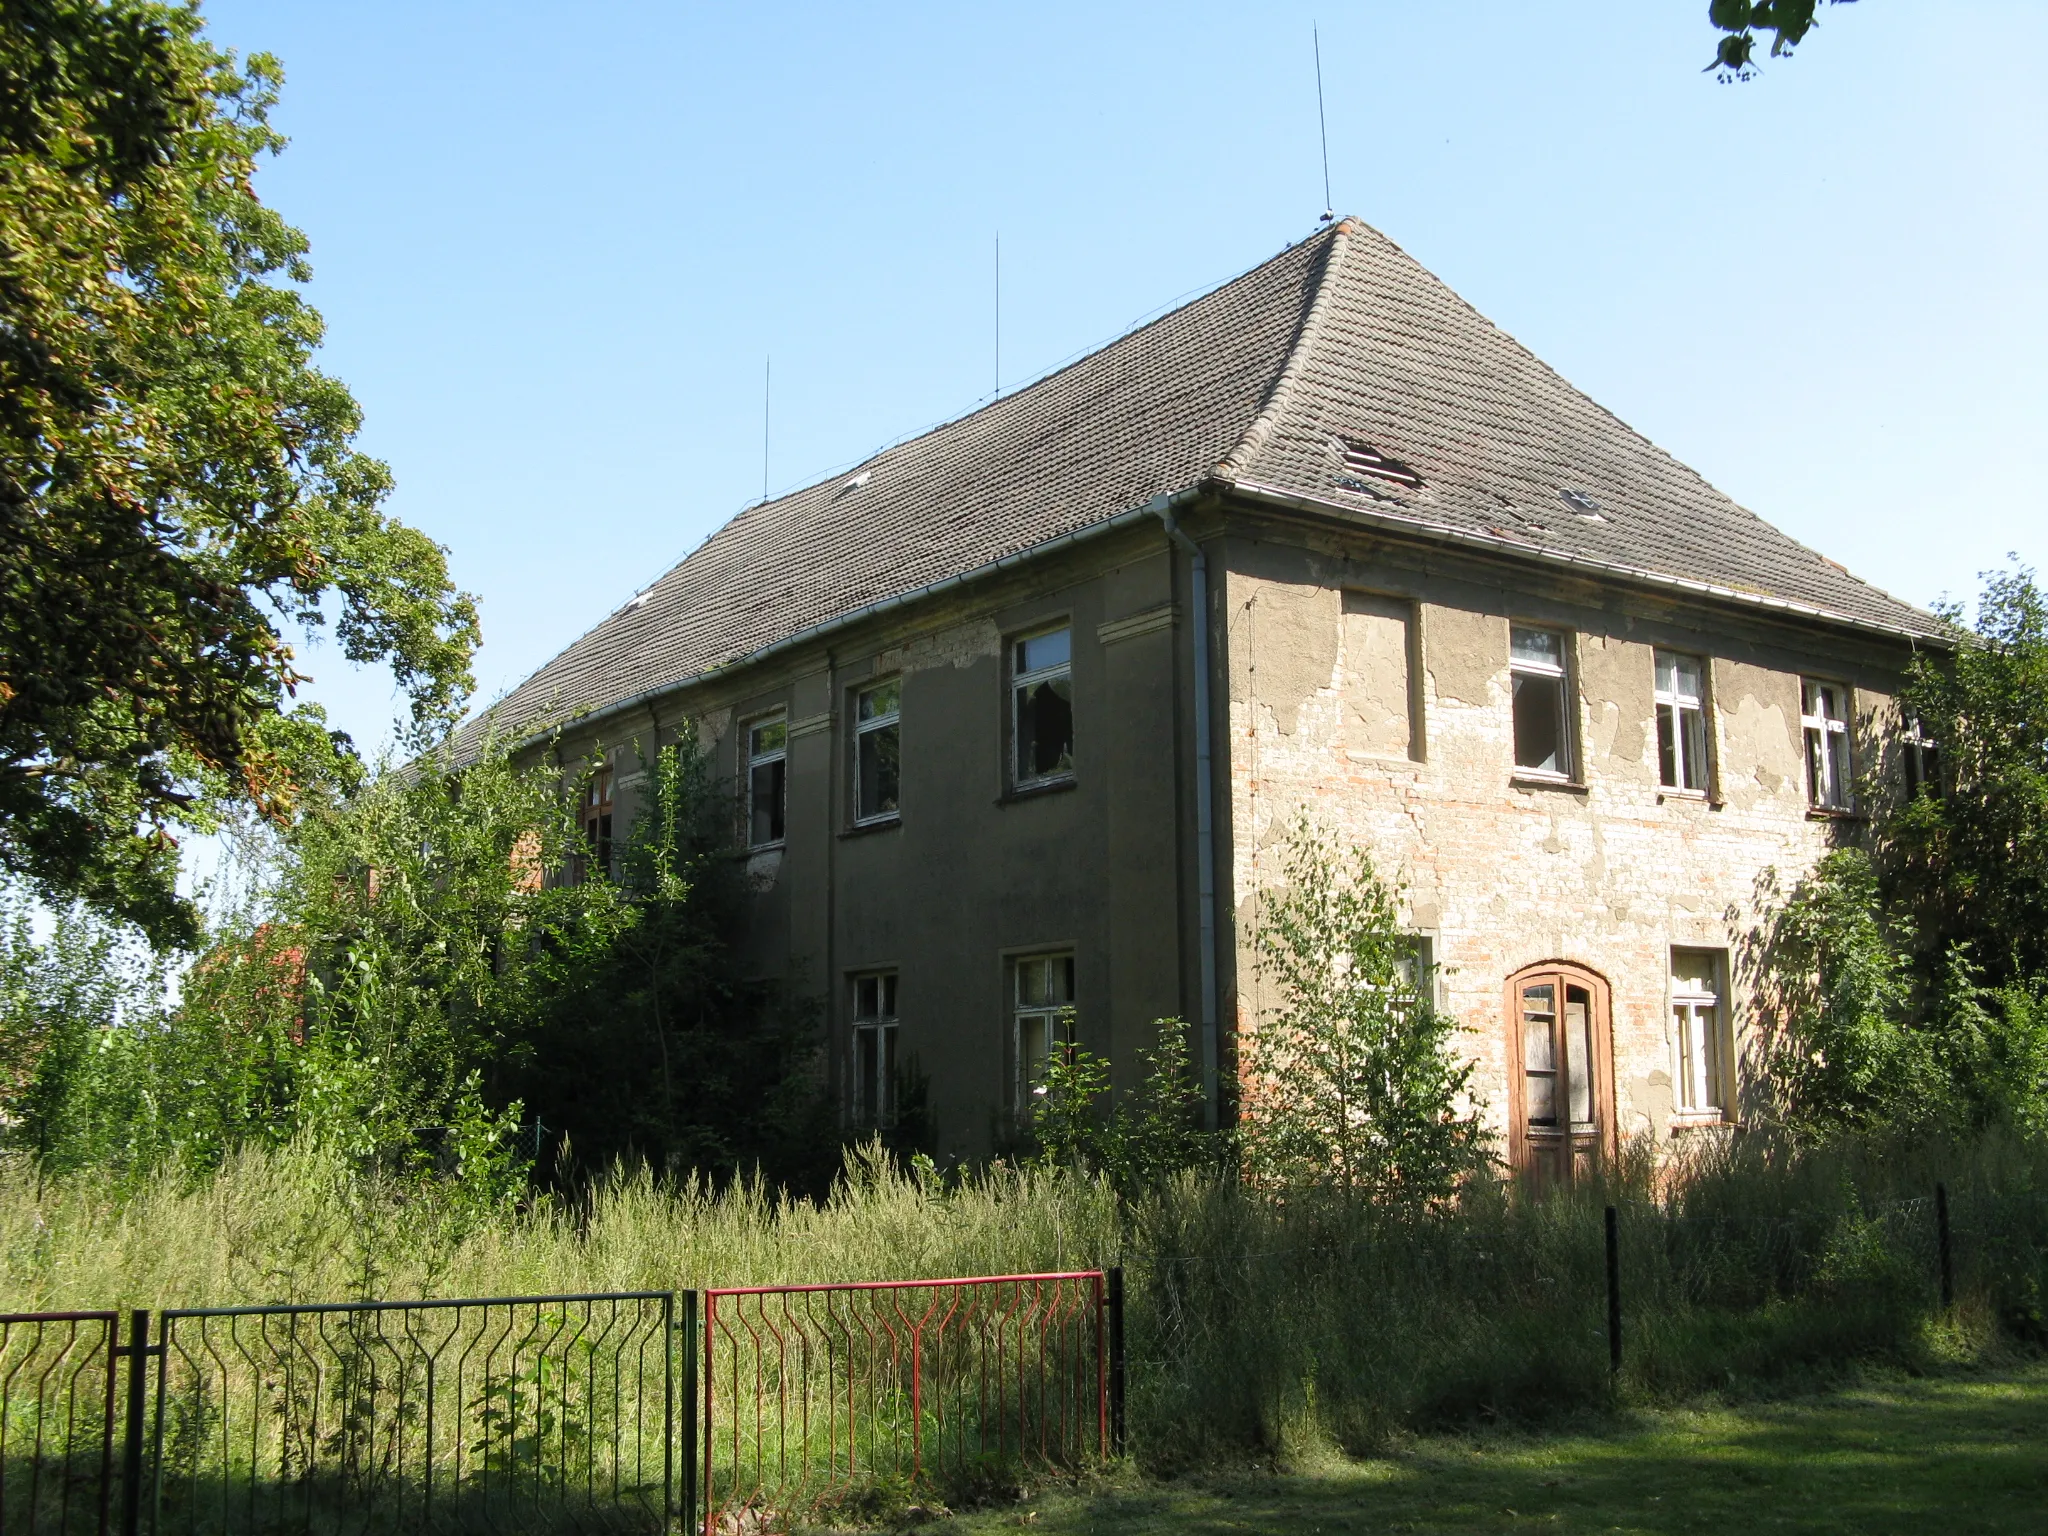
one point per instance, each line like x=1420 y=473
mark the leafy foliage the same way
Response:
x=1153 y=1131
x=1850 y=1054
x=1788 y=22
x=178 y=483
x=1969 y=864
x=1911 y=982
x=1353 y=1080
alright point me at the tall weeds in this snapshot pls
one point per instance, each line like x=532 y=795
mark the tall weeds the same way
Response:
x=1254 y=1323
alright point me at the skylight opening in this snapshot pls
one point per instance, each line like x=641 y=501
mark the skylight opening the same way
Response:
x=1364 y=459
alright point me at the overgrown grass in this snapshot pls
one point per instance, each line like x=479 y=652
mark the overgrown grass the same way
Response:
x=1287 y=1326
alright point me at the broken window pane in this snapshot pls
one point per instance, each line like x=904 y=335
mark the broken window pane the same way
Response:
x=877 y=751
x=1541 y=722
x=1042 y=717
x=1681 y=722
x=1578 y=1052
x=1539 y=1053
x=1825 y=716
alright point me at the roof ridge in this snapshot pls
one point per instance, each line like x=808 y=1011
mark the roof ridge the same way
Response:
x=1233 y=463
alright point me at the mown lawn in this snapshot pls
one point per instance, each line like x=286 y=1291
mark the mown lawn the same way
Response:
x=1953 y=1454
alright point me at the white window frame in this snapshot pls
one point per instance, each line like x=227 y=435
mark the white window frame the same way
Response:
x=757 y=758
x=1037 y=1022
x=1702 y=1085
x=1685 y=716
x=1830 y=759
x=1560 y=675
x=873 y=1102
x=1922 y=759
x=862 y=817
x=1021 y=683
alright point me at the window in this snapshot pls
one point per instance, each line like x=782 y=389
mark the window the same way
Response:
x=1824 y=711
x=1042 y=707
x=1681 y=722
x=594 y=816
x=877 y=750
x=1043 y=1010
x=1542 y=720
x=767 y=780
x=1923 y=759
x=1698 y=1035
x=1415 y=971
x=874 y=1048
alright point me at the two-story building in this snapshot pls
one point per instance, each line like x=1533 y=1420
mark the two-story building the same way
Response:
x=1017 y=711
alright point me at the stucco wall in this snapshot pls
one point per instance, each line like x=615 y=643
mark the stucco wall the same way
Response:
x=1502 y=874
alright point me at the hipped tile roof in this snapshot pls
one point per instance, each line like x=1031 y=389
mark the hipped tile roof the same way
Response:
x=1255 y=385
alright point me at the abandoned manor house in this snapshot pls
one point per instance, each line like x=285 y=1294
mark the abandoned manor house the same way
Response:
x=1018 y=713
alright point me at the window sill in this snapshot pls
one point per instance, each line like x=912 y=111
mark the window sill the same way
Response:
x=754 y=850
x=1711 y=801
x=1038 y=791
x=1834 y=813
x=878 y=824
x=1684 y=1120
x=1543 y=781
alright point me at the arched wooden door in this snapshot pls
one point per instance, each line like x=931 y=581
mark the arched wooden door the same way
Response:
x=1560 y=1071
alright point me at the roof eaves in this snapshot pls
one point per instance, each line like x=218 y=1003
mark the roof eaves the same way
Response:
x=1297 y=501
x=1164 y=502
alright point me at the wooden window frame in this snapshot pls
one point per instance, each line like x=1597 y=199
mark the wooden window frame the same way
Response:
x=1673 y=708
x=1047 y=1015
x=891 y=720
x=1831 y=735
x=1021 y=682
x=594 y=822
x=1561 y=676
x=1567 y=973
x=872 y=1104
x=754 y=758
x=1685 y=1006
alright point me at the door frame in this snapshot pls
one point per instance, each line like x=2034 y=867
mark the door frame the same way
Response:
x=1573 y=972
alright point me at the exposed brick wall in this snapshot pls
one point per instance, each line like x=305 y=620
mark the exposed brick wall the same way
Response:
x=1503 y=875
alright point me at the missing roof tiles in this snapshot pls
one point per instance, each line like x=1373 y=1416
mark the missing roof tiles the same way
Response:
x=1364 y=459
x=1581 y=503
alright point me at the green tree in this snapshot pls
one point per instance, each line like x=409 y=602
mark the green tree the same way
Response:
x=1788 y=22
x=1353 y=1079
x=1849 y=1053
x=1968 y=860
x=179 y=490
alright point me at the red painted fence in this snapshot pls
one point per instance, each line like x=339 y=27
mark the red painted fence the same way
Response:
x=819 y=1396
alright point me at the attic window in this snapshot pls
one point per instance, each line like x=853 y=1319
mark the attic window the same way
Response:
x=1364 y=459
x=1581 y=503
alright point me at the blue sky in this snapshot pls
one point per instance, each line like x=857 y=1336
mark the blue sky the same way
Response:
x=554 y=245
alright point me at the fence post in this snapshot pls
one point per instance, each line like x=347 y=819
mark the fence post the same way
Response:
x=1613 y=1292
x=689 y=1408
x=137 y=1353
x=1116 y=1361
x=1948 y=1263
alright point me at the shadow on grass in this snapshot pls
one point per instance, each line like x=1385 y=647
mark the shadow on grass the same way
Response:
x=1956 y=1454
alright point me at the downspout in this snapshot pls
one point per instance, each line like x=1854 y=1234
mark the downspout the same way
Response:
x=1205 y=813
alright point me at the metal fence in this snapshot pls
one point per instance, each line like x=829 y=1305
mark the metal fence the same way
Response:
x=820 y=1398
x=550 y=1413
x=57 y=1418
x=521 y=1413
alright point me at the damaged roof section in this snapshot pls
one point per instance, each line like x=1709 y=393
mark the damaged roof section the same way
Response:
x=1339 y=373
